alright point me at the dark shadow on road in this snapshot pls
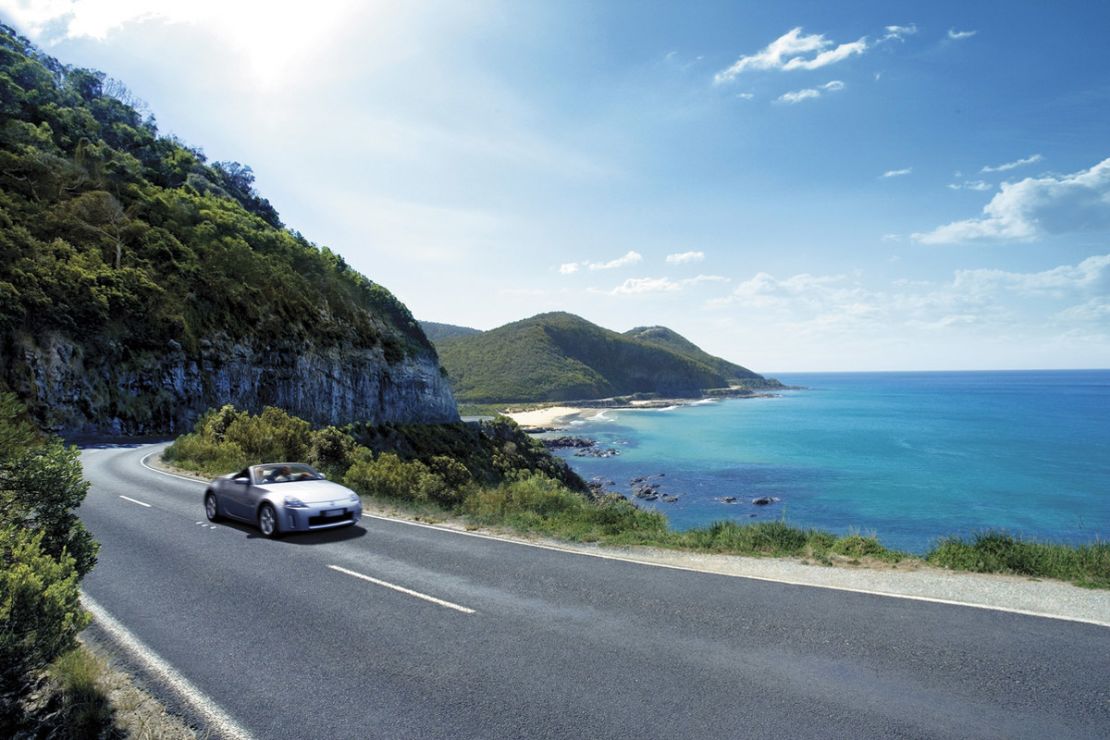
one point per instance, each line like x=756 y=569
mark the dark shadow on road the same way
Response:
x=321 y=537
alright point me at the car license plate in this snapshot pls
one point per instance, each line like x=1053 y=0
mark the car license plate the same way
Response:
x=333 y=512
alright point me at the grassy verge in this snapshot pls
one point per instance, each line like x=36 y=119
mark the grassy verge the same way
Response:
x=83 y=696
x=999 y=552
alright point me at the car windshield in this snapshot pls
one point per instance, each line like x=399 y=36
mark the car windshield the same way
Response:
x=285 y=473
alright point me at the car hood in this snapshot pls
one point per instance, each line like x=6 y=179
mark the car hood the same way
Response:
x=310 y=491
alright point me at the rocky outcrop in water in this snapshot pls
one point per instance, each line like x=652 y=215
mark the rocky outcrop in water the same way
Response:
x=124 y=391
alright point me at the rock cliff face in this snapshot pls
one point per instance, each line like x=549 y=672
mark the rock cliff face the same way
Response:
x=125 y=392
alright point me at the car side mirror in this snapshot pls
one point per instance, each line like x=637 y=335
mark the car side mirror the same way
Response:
x=241 y=481
x=323 y=476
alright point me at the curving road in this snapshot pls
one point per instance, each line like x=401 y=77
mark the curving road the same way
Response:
x=395 y=630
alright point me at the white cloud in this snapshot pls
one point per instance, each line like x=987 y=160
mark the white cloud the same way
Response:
x=798 y=96
x=1013 y=165
x=809 y=93
x=681 y=258
x=957 y=35
x=745 y=95
x=1096 y=309
x=897 y=33
x=832 y=56
x=629 y=258
x=898 y=173
x=277 y=32
x=978 y=185
x=790 y=51
x=1090 y=275
x=1035 y=207
x=983 y=300
x=637 y=286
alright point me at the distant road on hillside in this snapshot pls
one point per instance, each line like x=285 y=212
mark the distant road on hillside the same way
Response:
x=396 y=630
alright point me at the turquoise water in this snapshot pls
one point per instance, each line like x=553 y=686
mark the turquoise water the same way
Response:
x=907 y=456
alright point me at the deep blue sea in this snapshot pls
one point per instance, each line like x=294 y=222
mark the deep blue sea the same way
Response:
x=909 y=457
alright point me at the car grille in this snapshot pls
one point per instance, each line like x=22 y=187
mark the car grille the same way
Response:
x=314 y=521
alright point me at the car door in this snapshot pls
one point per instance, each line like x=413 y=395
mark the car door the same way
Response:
x=237 y=496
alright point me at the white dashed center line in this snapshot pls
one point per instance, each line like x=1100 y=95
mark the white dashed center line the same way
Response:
x=402 y=589
x=135 y=501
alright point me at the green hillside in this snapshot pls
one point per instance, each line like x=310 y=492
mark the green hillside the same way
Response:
x=133 y=271
x=562 y=357
x=436 y=332
x=663 y=337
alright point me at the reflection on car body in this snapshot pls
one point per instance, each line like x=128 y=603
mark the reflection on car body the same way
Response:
x=282 y=497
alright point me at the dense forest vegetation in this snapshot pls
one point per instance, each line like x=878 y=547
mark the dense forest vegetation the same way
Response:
x=436 y=331
x=128 y=243
x=562 y=357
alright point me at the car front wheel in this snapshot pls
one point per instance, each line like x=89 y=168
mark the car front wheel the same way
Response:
x=211 y=508
x=267 y=521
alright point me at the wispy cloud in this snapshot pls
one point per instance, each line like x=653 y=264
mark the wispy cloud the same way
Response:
x=824 y=304
x=629 y=258
x=978 y=185
x=809 y=93
x=681 y=258
x=898 y=33
x=638 y=286
x=897 y=173
x=792 y=51
x=797 y=96
x=957 y=35
x=1035 y=207
x=1032 y=159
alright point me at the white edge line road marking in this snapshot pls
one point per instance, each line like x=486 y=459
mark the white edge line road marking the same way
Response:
x=201 y=703
x=402 y=589
x=135 y=501
x=869 y=592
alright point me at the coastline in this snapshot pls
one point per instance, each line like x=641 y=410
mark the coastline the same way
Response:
x=559 y=417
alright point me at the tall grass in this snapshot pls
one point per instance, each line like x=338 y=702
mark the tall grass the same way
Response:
x=999 y=552
x=86 y=711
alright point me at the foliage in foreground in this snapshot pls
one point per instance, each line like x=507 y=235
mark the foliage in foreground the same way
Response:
x=44 y=552
x=495 y=475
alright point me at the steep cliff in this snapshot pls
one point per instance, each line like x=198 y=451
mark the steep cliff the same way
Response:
x=75 y=390
x=140 y=285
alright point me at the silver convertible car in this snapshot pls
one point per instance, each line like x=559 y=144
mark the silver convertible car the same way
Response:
x=282 y=498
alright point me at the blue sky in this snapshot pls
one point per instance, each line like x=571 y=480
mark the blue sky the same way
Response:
x=793 y=186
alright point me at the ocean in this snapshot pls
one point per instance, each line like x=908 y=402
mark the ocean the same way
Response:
x=907 y=456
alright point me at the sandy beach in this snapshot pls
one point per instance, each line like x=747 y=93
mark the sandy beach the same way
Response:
x=552 y=416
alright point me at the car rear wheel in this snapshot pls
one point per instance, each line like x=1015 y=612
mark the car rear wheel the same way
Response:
x=211 y=508
x=268 y=522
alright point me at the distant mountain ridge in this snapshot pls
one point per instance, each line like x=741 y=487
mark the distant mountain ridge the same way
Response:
x=562 y=357
x=435 y=331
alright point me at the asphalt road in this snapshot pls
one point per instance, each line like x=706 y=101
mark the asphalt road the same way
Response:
x=556 y=644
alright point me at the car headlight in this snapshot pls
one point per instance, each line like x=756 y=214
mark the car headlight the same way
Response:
x=354 y=496
x=294 y=503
